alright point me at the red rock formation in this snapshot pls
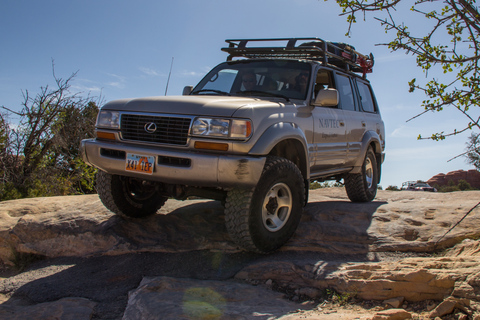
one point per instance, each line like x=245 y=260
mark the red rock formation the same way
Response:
x=471 y=176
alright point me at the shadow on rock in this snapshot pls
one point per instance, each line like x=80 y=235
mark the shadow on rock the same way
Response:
x=107 y=280
x=197 y=226
x=335 y=227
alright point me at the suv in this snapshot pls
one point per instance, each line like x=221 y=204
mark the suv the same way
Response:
x=253 y=133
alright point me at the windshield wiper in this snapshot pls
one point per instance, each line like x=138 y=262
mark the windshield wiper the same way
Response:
x=223 y=93
x=265 y=93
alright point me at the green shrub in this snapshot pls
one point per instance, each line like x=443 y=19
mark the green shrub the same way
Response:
x=392 y=188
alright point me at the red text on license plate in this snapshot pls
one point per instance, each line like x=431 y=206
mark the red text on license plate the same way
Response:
x=139 y=163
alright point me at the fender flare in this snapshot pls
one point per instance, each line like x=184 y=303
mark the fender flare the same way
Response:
x=277 y=133
x=368 y=138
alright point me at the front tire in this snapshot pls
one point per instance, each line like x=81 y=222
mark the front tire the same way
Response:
x=263 y=219
x=127 y=196
x=362 y=187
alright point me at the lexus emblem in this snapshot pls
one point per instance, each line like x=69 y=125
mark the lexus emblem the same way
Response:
x=150 y=127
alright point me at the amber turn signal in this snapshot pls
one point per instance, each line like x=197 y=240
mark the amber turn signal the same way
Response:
x=105 y=135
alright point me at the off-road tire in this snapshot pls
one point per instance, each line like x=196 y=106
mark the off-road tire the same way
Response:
x=362 y=187
x=266 y=217
x=129 y=197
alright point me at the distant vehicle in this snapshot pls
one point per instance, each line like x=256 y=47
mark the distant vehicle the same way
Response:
x=417 y=186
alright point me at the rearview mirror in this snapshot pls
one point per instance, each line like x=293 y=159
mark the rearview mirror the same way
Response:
x=326 y=98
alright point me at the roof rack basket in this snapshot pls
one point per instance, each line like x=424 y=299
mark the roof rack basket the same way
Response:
x=338 y=54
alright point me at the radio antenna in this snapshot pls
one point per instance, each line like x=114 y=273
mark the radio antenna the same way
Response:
x=169 y=74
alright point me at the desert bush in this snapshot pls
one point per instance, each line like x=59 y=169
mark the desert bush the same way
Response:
x=39 y=155
x=462 y=185
x=392 y=188
x=325 y=184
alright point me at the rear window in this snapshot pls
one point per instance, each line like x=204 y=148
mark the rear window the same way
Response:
x=366 y=97
x=346 y=93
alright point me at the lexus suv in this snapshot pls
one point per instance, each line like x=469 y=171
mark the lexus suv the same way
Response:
x=253 y=133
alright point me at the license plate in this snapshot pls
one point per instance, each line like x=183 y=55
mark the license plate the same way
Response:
x=139 y=163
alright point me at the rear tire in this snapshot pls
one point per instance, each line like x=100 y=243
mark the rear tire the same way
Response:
x=265 y=218
x=127 y=196
x=362 y=187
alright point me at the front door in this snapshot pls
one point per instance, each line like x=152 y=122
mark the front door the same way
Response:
x=329 y=130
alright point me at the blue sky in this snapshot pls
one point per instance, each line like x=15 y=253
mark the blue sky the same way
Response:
x=124 y=49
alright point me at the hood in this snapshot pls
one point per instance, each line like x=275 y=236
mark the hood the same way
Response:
x=219 y=106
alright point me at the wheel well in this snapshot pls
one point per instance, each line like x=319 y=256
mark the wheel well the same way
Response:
x=292 y=150
x=378 y=155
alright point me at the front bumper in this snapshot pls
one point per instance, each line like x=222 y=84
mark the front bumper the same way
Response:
x=176 y=167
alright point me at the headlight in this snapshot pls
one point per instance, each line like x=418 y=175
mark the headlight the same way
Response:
x=108 y=119
x=222 y=128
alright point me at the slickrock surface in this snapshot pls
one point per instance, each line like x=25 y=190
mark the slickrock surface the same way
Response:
x=180 y=263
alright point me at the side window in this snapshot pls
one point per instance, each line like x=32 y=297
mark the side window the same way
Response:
x=323 y=80
x=345 y=92
x=366 y=97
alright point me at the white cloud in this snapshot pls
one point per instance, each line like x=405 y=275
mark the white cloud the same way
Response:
x=87 y=86
x=149 y=72
x=116 y=84
x=192 y=74
x=90 y=89
x=201 y=73
x=119 y=83
x=404 y=132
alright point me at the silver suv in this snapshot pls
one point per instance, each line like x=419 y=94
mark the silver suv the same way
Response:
x=253 y=133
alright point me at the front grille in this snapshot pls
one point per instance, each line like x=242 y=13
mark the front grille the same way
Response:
x=169 y=130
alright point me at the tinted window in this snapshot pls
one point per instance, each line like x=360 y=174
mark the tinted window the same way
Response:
x=323 y=81
x=366 y=97
x=346 y=93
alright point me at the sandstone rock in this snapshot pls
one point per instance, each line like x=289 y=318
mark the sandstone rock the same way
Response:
x=395 y=221
x=395 y=302
x=449 y=305
x=63 y=309
x=81 y=226
x=331 y=227
x=471 y=176
x=417 y=279
x=392 y=314
x=177 y=299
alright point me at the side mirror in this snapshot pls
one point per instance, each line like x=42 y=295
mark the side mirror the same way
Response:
x=187 y=90
x=327 y=98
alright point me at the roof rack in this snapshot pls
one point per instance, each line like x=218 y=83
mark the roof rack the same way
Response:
x=338 y=54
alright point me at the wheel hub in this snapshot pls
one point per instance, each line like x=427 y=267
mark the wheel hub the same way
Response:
x=272 y=205
x=277 y=207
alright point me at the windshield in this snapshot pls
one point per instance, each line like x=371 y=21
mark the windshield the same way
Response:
x=278 y=78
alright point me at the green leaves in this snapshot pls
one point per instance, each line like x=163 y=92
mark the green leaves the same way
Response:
x=450 y=44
